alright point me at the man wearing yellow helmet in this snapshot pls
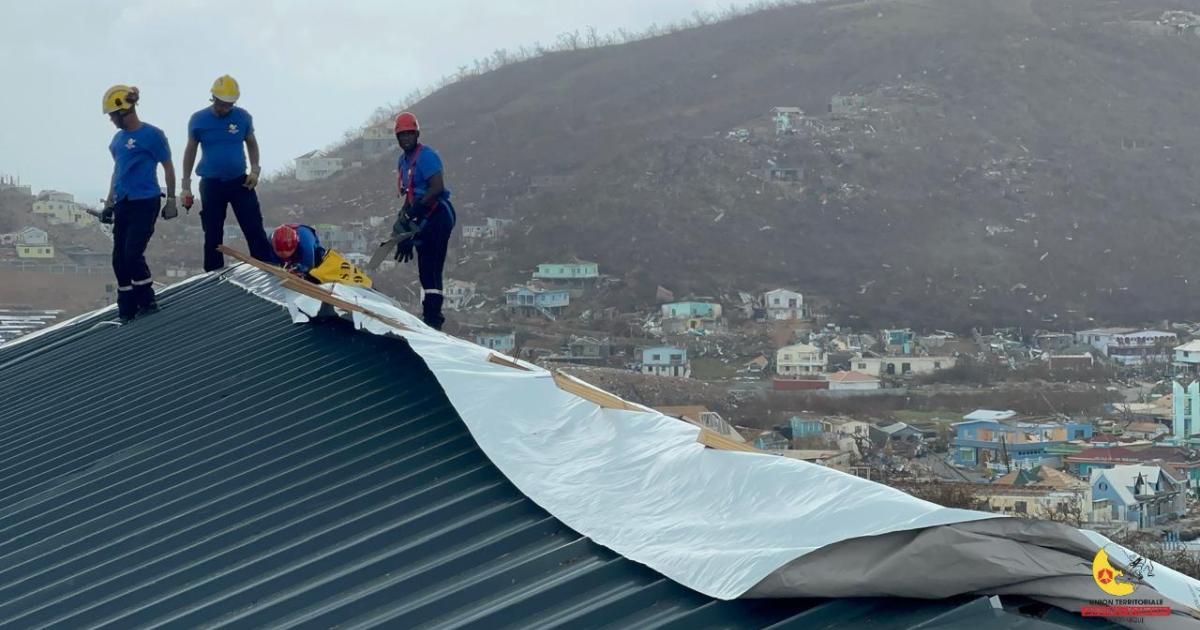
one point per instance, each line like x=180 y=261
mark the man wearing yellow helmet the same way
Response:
x=219 y=131
x=132 y=205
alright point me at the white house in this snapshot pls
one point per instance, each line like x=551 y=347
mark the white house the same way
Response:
x=901 y=365
x=852 y=381
x=498 y=225
x=846 y=427
x=990 y=415
x=1145 y=430
x=497 y=340
x=316 y=165
x=787 y=119
x=1187 y=358
x=665 y=361
x=799 y=360
x=33 y=236
x=458 y=293
x=478 y=231
x=1127 y=346
x=783 y=304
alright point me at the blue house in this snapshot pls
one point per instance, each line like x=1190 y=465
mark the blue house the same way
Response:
x=985 y=442
x=804 y=427
x=1185 y=424
x=665 y=361
x=1144 y=495
x=771 y=441
x=532 y=300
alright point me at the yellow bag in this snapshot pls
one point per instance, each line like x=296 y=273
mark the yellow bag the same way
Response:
x=335 y=268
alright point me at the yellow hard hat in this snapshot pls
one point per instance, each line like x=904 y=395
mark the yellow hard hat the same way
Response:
x=118 y=98
x=225 y=88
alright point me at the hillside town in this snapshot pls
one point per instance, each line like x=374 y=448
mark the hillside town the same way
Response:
x=785 y=313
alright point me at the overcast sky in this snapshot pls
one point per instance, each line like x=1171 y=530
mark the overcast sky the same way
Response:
x=308 y=70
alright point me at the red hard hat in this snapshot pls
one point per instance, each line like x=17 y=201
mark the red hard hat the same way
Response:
x=407 y=121
x=285 y=240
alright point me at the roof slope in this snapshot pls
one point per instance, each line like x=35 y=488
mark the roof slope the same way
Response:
x=215 y=464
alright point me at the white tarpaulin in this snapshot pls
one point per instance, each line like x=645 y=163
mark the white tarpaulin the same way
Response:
x=719 y=522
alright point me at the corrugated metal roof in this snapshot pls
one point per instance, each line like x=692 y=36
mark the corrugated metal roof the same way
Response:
x=217 y=465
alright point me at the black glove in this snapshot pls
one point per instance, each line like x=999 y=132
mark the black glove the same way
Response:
x=404 y=250
x=107 y=215
x=404 y=227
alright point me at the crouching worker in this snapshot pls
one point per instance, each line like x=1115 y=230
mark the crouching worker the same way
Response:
x=300 y=251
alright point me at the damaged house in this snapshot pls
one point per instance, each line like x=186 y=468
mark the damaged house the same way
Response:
x=535 y=300
x=681 y=317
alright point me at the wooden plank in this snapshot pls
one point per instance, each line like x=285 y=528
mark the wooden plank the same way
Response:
x=608 y=400
x=593 y=394
x=304 y=287
x=278 y=272
x=712 y=439
x=499 y=360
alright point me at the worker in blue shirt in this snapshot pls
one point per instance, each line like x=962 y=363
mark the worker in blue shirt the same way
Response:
x=427 y=211
x=133 y=202
x=297 y=247
x=220 y=131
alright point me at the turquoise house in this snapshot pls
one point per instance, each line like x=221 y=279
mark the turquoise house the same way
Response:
x=804 y=427
x=567 y=271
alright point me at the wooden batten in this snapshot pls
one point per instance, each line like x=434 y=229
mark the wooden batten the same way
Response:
x=303 y=287
x=712 y=439
x=593 y=394
x=506 y=362
x=240 y=257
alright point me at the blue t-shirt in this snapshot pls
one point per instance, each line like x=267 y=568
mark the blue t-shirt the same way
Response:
x=308 y=250
x=221 y=139
x=136 y=156
x=428 y=165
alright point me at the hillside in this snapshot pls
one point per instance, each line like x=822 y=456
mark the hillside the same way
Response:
x=1013 y=162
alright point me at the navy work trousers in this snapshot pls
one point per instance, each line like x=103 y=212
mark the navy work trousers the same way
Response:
x=431 y=248
x=133 y=225
x=216 y=195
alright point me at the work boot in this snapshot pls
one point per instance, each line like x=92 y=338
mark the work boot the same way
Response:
x=126 y=307
x=432 y=311
x=145 y=299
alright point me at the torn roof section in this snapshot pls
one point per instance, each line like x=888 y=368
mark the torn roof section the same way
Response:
x=216 y=465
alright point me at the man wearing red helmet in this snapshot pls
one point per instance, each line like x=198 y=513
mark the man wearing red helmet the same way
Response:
x=297 y=247
x=427 y=214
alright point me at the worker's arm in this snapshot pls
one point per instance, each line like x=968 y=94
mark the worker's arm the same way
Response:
x=306 y=254
x=255 y=169
x=112 y=185
x=169 y=174
x=433 y=192
x=170 y=209
x=252 y=151
x=189 y=160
